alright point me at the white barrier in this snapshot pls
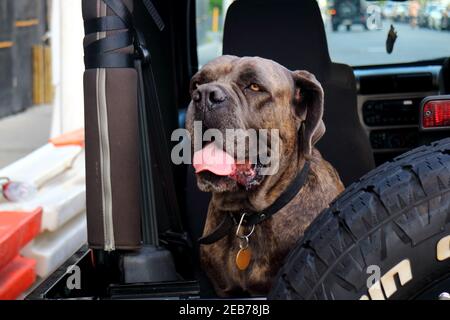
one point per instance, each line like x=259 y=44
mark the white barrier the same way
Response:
x=59 y=175
x=51 y=249
x=62 y=197
x=42 y=165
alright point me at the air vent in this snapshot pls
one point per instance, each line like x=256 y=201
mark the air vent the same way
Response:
x=418 y=82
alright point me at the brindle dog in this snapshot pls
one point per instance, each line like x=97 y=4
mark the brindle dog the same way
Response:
x=252 y=92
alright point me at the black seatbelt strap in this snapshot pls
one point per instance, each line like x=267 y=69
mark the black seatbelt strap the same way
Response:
x=121 y=10
x=158 y=142
x=149 y=220
x=109 y=60
x=103 y=52
x=154 y=14
x=110 y=43
x=103 y=24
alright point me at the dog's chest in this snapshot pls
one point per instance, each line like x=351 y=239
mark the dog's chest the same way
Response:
x=219 y=261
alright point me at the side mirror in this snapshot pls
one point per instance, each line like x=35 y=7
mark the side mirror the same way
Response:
x=435 y=113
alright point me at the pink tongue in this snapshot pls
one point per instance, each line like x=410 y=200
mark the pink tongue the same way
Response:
x=211 y=158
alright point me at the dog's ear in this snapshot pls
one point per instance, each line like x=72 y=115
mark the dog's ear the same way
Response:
x=308 y=103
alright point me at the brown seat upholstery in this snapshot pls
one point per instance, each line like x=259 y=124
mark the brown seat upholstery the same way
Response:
x=111 y=125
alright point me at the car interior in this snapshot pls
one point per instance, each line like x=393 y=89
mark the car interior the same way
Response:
x=371 y=116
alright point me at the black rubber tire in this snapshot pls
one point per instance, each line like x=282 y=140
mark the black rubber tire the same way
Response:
x=398 y=211
x=348 y=27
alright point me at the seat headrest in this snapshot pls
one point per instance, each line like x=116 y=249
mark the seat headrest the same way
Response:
x=290 y=32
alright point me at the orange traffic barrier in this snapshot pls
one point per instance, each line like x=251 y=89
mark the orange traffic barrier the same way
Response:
x=16 y=278
x=74 y=138
x=16 y=230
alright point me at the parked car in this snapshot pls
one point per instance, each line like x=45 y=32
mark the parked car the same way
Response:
x=435 y=17
x=388 y=10
x=400 y=12
x=445 y=21
x=347 y=13
x=424 y=15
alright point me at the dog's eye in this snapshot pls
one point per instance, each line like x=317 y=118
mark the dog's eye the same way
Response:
x=255 y=87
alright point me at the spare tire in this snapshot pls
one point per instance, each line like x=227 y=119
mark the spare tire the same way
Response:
x=386 y=237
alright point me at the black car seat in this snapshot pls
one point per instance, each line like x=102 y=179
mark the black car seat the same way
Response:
x=292 y=33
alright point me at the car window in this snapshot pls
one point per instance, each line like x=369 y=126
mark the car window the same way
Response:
x=210 y=19
x=356 y=30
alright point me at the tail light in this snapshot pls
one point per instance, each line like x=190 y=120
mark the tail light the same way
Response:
x=332 y=12
x=435 y=113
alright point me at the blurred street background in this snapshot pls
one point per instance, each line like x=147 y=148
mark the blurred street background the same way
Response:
x=22 y=133
x=356 y=30
x=41 y=63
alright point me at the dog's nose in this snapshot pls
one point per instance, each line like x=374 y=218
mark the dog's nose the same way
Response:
x=212 y=96
x=216 y=96
x=196 y=96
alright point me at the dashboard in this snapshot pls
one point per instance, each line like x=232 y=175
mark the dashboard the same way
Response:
x=388 y=106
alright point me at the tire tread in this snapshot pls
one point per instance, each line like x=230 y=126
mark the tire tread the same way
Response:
x=351 y=228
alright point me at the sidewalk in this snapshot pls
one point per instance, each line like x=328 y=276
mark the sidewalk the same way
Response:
x=24 y=132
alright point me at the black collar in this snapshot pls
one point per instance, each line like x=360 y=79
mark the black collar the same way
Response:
x=230 y=220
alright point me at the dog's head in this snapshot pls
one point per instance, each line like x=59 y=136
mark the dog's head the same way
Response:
x=250 y=94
